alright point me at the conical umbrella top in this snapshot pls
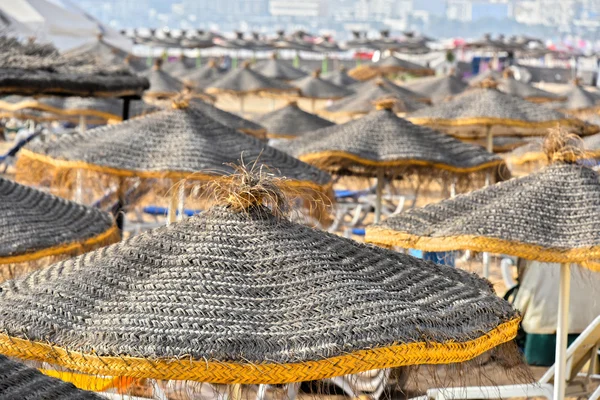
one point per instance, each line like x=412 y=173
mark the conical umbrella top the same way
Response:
x=314 y=87
x=179 y=68
x=291 y=122
x=339 y=77
x=438 y=88
x=161 y=83
x=240 y=294
x=245 y=80
x=579 y=99
x=202 y=77
x=230 y=120
x=528 y=92
x=275 y=68
x=383 y=140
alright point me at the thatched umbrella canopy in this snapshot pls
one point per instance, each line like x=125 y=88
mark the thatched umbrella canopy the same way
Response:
x=484 y=112
x=275 y=68
x=162 y=85
x=339 y=77
x=438 y=89
x=31 y=69
x=179 y=68
x=313 y=87
x=202 y=77
x=222 y=308
x=526 y=91
x=361 y=102
x=382 y=144
x=549 y=216
x=389 y=65
x=230 y=120
x=22 y=382
x=100 y=51
x=579 y=101
x=37 y=226
x=291 y=122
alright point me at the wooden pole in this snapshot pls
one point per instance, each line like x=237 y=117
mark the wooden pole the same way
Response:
x=562 y=332
x=489 y=138
x=379 y=195
x=180 y=200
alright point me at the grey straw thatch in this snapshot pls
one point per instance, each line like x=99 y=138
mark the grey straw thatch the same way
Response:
x=31 y=69
x=526 y=91
x=179 y=68
x=362 y=102
x=383 y=140
x=484 y=76
x=550 y=215
x=275 y=68
x=18 y=381
x=244 y=296
x=313 y=87
x=339 y=77
x=245 y=80
x=389 y=65
x=230 y=120
x=162 y=85
x=179 y=142
x=579 y=100
x=202 y=77
x=467 y=114
x=291 y=122
x=438 y=89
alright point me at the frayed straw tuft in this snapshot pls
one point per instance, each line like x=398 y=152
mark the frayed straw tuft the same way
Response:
x=561 y=145
x=386 y=103
x=488 y=83
x=180 y=103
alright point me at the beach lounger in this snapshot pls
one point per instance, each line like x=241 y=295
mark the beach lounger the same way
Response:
x=582 y=354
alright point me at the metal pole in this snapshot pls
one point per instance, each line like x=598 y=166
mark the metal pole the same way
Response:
x=120 y=209
x=312 y=105
x=379 y=195
x=562 y=331
x=125 y=113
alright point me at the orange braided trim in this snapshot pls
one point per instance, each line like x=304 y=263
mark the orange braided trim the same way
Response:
x=187 y=175
x=388 y=237
x=110 y=236
x=485 y=121
x=37 y=91
x=32 y=104
x=321 y=158
x=262 y=91
x=263 y=373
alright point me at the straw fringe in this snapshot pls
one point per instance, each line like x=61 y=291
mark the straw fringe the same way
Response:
x=388 y=237
x=266 y=373
x=36 y=105
x=567 y=122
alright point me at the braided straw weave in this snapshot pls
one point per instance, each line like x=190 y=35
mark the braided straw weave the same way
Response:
x=313 y=87
x=388 y=65
x=381 y=140
x=275 y=68
x=362 y=102
x=162 y=85
x=480 y=107
x=438 y=89
x=179 y=143
x=230 y=120
x=291 y=122
x=35 y=224
x=245 y=80
x=339 y=77
x=18 y=381
x=40 y=69
x=248 y=297
x=550 y=216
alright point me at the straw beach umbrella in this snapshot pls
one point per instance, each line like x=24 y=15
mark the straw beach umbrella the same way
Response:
x=162 y=85
x=362 y=102
x=202 y=77
x=230 y=120
x=387 y=66
x=275 y=68
x=37 y=226
x=181 y=143
x=482 y=112
x=18 y=381
x=548 y=216
x=508 y=84
x=314 y=88
x=339 y=77
x=437 y=89
x=291 y=122
x=579 y=101
x=383 y=145
x=243 y=81
x=321 y=306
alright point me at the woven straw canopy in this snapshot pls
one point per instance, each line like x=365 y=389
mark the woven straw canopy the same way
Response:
x=579 y=99
x=230 y=120
x=179 y=68
x=34 y=224
x=31 y=69
x=313 y=87
x=18 y=381
x=526 y=91
x=291 y=122
x=381 y=140
x=362 y=102
x=467 y=113
x=339 y=77
x=550 y=216
x=275 y=68
x=162 y=85
x=388 y=65
x=437 y=89
x=183 y=143
x=245 y=80
x=202 y=77
x=247 y=297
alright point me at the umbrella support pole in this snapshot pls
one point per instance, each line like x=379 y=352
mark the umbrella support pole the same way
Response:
x=125 y=111
x=453 y=188
x=273 y=104
x=242 y=106
x=173 y=204
x=562 y=331
x=180 y=200
x=489 y=139
x=379 y=195
x=486 y=265
x=120 y=208
x=78 y=195
x=235 y=391
x=312 y=105
x=82 y=124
